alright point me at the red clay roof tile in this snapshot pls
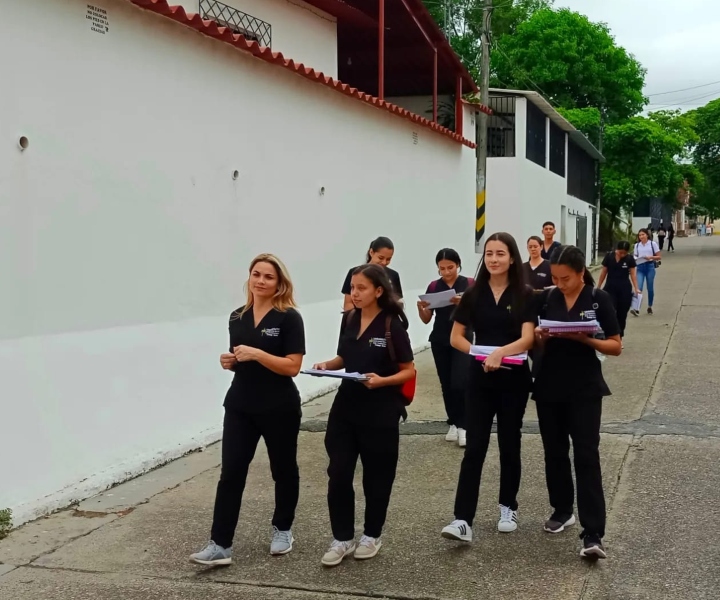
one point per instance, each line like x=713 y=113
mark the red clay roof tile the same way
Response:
x=211 y=29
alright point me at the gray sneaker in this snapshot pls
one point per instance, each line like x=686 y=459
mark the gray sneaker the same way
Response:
x=282 y=542
x=213 y=555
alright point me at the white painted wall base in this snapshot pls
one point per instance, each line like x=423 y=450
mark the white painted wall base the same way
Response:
x=130 y=239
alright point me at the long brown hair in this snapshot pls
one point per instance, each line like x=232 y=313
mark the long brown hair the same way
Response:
x=284 y=297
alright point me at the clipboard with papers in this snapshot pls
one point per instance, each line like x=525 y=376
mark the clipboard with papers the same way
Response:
x=438 y=299
x=570 y=326
x=482 y=352
x=335 y=374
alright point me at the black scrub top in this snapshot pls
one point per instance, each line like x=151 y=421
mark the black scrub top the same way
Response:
x=442 y=325
x=496 y=324
x=255 y=388
x=618 y=271
x=548 y=254
x=370 y=354
x=392 y=275
x=540 y=277
x=570 y=371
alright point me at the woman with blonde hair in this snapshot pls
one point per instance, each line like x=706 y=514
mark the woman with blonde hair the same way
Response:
x=267 y=344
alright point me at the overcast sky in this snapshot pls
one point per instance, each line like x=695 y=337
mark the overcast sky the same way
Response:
x=677 y=41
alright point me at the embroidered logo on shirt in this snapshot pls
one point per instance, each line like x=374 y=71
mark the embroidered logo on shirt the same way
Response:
x=509 y=308
x=542 y=274
x=378 y=342
x=271 y=332
x=588 y=314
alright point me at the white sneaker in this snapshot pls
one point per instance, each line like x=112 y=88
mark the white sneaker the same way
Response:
x=337 y=552
x=452 y=434
x=458 y=530
x=508 y=519
x=462 y=437
x=368 y=547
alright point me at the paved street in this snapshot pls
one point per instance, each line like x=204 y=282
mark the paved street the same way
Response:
x=660 y=450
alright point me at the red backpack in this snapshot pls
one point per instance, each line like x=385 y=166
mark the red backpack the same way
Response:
x=408 y=388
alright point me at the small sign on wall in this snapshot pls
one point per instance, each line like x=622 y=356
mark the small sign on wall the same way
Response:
x=98 y=19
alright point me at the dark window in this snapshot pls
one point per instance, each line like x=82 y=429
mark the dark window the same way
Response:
x=251 y=28
x=557 y=150
x=642 y=209
x=501 y=127
x=536 y=141
x=581 y=174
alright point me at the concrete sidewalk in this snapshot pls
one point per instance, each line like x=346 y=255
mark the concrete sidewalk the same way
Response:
x=660 y=449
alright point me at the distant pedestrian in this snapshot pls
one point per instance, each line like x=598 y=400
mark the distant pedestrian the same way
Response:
x=661 y=235
x=380 y=252
x=549 y=244
x=646 y=254
x=537 y=269
x=568 y=392
x=671 y=237
x=267 y=344
x=452 y=365
x=499 y=310
x=620 y=278
x=364 y=420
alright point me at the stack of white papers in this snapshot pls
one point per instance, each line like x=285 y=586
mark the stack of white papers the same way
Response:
x=570 y=326
x=336 y=374
x=482 y=352
x=439 y=299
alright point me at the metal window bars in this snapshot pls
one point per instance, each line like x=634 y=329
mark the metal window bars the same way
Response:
x=251 y=28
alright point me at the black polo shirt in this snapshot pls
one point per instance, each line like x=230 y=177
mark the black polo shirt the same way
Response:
x=392 y=275
x=618 y=271
x=442 y=325
x=369 y=353
x=547 y=254
x=570 y=371
x=256 y=388
x=496 y=324
x=540 y=277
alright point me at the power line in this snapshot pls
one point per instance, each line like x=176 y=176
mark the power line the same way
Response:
x=687 y=100
x=684 y=89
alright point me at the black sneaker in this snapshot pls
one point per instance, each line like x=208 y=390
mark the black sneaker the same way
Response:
x=558 y=522
x=593 y=548
x=650 y=310
x=635 y=313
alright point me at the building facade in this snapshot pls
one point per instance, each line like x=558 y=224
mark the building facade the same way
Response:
x=147 y=153
x=540 y=168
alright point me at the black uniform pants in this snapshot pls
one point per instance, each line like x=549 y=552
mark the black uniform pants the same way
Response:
x=452 y=368
x=241 y=434
x=670 y=244
x=622 y=301
x=578 y=421
x=661 y=241
x=509 y=407
x=346 y=439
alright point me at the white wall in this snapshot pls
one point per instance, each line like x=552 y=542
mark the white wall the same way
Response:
x=130 y=240
x=300 y=31
x=521 y=196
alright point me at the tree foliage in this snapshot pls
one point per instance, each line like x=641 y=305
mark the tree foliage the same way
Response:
x=586 y=120
x=706 y=158
x=462 y=21
x=642 y=161
x=573 y=62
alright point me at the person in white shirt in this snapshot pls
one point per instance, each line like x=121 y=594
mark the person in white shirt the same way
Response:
x=649 y=253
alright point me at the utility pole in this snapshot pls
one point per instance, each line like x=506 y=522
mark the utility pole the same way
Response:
x=482 y=124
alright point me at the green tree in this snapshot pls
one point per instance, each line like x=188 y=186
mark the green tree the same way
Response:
x=586 y=120
x=642 y=161
x=706 y=157
x=462 y=22
x=572 y=61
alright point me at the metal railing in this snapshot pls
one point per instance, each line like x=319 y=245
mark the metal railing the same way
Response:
x=251 y=28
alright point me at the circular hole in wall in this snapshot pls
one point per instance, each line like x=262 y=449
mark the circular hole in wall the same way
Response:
x=23 y=143
x=235 y=174
x=322 y=191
